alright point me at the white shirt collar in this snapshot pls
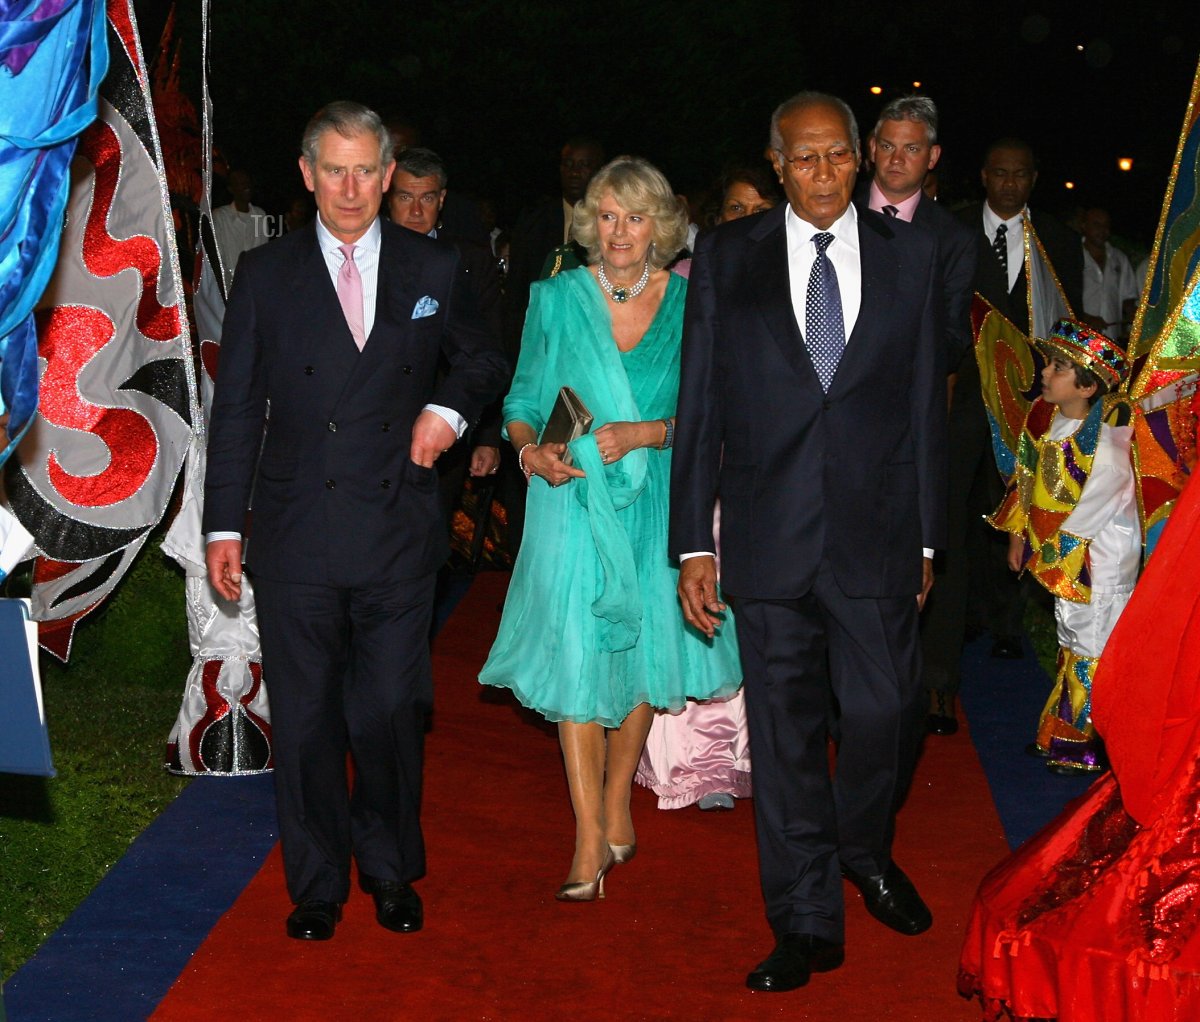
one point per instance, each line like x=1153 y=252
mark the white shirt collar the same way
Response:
x=844 y=228
x=328 y=243
x=991 y=221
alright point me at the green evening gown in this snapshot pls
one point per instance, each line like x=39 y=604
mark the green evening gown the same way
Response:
x=592 y=625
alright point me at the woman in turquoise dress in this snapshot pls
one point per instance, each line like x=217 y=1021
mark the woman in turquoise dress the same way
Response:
x=591 y=636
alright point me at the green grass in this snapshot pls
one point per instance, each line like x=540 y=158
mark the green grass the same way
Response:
x=109 y=712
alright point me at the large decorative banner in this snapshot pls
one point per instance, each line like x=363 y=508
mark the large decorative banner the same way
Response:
x=116 y=403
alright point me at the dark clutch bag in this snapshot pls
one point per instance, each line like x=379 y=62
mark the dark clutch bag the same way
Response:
x=569 y=420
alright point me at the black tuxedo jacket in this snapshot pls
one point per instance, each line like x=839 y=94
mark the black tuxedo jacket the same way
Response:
x=856 y=476
x=337 y=500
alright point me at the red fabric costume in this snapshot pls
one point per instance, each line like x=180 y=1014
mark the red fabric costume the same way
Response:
x=1095 y=918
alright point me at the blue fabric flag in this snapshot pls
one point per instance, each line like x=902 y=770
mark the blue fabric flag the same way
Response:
x=53 y=57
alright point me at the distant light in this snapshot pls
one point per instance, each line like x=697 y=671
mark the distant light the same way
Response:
x=1068 y=185
x=1079 y=48
x=916 y=85
x=1125 y=163
x=876 y=90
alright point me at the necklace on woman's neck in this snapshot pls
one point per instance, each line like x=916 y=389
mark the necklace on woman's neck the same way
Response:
x=620 y=295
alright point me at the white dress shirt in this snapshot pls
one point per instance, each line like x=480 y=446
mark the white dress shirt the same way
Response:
x=1015 y=239
x=842 y=252
x=237 y=232
x=1106 y=289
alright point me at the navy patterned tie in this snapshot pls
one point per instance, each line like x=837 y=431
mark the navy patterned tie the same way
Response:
x=824 y=328
x=1000 y=247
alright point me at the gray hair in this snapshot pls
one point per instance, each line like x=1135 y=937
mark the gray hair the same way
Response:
x=911 y=108
x=640 y=187
x=421 y=162
x=807 y=99
x=349 y=120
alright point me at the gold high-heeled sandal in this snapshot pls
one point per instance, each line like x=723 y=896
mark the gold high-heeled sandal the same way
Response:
x=587 y=890
x=622 y=853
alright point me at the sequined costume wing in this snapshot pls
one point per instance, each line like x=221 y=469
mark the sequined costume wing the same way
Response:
x=1010 y=369
x=1164 y=344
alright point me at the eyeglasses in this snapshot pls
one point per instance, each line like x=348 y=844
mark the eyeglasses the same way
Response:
x=805 y=162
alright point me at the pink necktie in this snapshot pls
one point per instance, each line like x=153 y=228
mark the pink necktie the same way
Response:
x=349 y=291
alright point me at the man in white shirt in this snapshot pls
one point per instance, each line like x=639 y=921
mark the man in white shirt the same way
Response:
x=239 y=226
x=1108 y=280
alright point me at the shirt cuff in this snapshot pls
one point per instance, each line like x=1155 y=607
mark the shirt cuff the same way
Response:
x=695 y=553
x=455 y=421
x=212 y=537
x=927 y=553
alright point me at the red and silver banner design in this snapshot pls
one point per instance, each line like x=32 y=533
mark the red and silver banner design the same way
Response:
x=116 y=403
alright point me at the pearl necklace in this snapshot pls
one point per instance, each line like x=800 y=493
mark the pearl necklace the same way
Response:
x=620 y=295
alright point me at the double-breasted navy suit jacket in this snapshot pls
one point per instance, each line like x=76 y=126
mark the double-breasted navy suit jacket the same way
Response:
x=337 y=500
x=855 y=477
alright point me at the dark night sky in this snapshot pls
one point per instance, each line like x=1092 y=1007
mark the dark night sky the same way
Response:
x=497 y=84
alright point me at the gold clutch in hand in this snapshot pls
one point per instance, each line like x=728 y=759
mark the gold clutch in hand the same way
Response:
x=569 y=420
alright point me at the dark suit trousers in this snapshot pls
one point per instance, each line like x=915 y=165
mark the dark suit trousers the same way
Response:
x=803 y=660
x=348 y=669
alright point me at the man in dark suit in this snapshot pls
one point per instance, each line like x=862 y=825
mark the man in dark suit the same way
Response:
x=812 y=403
x=546 y=225
x=904 y=149
x=975 y=565
x=415 y=201
x=338 y=328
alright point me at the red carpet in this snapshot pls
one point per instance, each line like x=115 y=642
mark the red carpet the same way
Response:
x=682 y=924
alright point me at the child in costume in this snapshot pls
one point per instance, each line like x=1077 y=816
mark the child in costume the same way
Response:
x=1072 y=515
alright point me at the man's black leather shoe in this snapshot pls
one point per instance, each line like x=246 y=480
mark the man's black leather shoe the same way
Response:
x=892 y=899
x=941 y=719
x=397 y=906
x=314 y=920
x=1007 y=647
x=795 y=958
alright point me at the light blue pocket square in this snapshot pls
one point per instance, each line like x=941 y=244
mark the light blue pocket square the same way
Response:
x=425 y=307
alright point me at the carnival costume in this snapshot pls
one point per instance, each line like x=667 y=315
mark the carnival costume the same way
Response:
x=1071 y=497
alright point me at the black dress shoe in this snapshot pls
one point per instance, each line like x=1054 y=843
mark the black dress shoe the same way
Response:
x=941 y=719
x=1006 y=647
x=795 y=958
x=892 y=899
x=397 y=905
x=314 y=920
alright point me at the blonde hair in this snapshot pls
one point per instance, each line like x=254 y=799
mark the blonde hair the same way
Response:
x=640 y=187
